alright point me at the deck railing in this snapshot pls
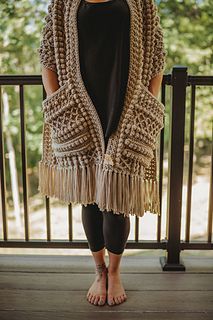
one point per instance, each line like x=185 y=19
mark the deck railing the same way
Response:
x=177 y=82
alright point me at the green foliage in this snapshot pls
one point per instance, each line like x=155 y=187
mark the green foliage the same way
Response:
x=21 y=23
x=187 y=26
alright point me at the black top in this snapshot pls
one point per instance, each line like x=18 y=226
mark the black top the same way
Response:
x=103 y=33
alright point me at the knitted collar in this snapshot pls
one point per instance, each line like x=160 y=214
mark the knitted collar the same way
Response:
x=136 y=65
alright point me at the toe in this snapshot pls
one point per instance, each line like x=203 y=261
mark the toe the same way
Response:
x=111 y=301
x=88 y=295
x=120 y=299
x=92 y=298
x=102 y=300
x=117 y=300
x=96 y=300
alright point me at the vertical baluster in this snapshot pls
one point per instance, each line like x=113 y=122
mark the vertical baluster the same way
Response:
x=24 y=162
x=2 y=174
x=70 y=221
x=190 y=166
x=210 y=212
x=136 y=228
x=48 y=218
x=159 y=217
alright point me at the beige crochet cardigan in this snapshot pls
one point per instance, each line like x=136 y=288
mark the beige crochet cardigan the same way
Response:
x=76 y=166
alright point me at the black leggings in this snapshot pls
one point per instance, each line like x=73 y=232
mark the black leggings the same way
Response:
x=105 y=229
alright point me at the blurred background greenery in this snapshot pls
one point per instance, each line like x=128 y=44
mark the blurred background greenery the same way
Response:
x=188 y=37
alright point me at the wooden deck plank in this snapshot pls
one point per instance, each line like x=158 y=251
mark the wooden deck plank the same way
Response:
x=132 y=282
x=17 y=315
x=35 y=287
x=75 y=301
x=82 y=264
x=67 y=263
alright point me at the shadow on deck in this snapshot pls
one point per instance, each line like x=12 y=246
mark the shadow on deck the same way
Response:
x=55 y=286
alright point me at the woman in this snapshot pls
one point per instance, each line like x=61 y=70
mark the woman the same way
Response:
x=103 y=29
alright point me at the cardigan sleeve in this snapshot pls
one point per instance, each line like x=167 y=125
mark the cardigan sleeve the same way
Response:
x=46 y=49
x=160 y=53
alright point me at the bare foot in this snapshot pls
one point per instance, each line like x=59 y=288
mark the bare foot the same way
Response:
x=116 y=292
x=97 y=292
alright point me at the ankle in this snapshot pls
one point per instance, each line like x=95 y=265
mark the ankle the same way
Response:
x=114 y=272
x=100 y=268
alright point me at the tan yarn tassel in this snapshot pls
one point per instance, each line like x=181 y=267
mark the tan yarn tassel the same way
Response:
x=119 y=191
x=111 y=190
x=84 y=190
x=126 y=185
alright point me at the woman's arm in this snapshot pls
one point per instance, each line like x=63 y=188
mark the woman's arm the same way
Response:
x=46 y=51
x=50 y=80
x=159 y=54
x=155 y=84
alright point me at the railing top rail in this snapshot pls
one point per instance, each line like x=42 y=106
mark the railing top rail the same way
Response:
x=36 y=79
x=18 y=79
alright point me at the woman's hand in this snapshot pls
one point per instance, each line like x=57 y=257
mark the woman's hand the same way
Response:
x=50 y=80
x=155 y=84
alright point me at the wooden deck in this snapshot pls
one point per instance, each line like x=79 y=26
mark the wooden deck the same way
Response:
x=55 y=286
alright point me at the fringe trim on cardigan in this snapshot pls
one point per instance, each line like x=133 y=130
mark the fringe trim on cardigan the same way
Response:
x=122 y=193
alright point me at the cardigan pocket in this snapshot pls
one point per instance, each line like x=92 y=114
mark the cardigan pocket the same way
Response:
x=54 y=104
x=143 y=127
x=66 y=116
